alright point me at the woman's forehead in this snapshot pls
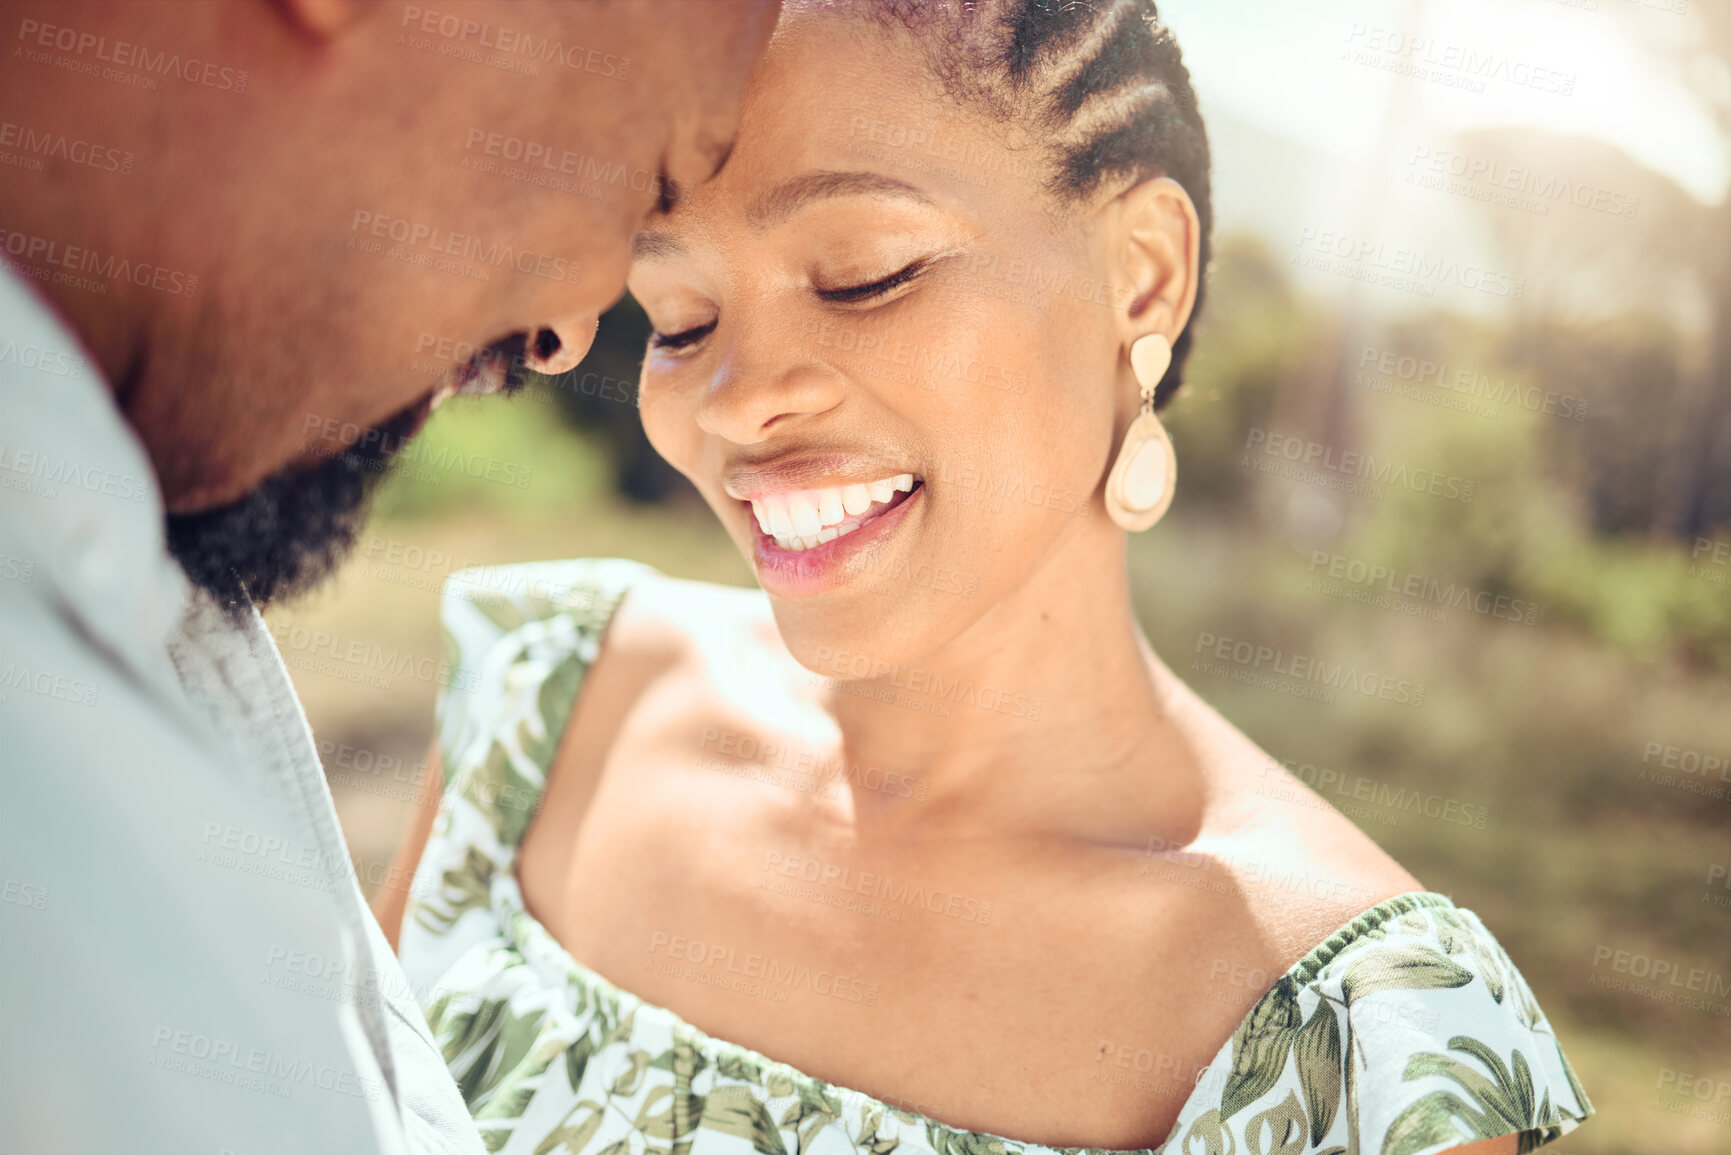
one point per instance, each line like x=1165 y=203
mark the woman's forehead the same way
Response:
x=839 y=108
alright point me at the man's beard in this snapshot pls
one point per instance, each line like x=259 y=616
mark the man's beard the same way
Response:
x=297 y=527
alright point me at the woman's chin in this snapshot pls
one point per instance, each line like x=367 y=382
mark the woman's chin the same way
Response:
x=861 y=635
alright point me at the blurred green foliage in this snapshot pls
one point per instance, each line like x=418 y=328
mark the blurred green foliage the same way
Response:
x=1564 y=512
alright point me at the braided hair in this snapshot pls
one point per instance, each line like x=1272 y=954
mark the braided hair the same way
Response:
x=1102 y=82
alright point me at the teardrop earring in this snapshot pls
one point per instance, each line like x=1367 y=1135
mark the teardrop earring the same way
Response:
x=1139 y=488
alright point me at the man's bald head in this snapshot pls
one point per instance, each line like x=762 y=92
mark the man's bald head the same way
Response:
x=322 y=199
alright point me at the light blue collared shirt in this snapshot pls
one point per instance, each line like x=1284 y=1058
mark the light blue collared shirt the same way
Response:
x=186 y=960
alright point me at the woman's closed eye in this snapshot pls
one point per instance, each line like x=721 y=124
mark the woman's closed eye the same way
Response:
x=881 y=287
x=681 y=339
x=845 y=295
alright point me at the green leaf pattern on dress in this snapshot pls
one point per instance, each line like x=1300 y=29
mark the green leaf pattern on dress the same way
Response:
x=1344 y=1055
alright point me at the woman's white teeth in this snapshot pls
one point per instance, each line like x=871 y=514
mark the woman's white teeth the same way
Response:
x=779 y=524
x=803 y=512
x=855 y=499
x=810 y=517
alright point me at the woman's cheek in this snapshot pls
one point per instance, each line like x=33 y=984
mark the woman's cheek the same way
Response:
x=669 y=435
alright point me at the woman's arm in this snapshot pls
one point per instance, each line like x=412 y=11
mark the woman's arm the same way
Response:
x=1502 y=1145
x=391 y=901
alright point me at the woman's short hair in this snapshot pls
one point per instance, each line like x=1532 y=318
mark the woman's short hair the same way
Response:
x=1101 y=83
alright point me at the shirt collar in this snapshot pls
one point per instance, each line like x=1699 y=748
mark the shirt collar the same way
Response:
x=78 y=496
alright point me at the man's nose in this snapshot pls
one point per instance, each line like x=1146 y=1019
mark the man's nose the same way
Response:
x=561 y=345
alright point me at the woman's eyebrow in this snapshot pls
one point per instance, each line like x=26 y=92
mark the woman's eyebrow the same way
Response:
x=784 y=200
x=793 y=194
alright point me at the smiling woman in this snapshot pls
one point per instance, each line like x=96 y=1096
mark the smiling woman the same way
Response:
x=669 y=895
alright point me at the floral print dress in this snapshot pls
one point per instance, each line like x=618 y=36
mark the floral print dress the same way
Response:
x=1408 y=1031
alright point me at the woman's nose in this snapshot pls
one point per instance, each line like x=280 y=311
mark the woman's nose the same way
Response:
x=749 y=399
x=561 y=345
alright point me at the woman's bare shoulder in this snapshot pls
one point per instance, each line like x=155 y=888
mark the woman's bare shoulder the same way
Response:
x=667 y=622
x=664 y=612
x=1306 y=868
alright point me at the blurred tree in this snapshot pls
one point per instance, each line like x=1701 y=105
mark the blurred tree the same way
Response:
x=1707 y=455
x=1625 y=288
x=1253 y=338
x=1700 y=499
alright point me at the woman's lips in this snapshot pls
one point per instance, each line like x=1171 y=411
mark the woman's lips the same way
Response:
x=802 y=573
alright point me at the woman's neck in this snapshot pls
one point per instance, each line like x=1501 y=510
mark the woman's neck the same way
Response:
x=1049 y=714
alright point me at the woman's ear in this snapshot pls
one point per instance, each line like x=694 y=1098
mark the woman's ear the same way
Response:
x=1154 y=240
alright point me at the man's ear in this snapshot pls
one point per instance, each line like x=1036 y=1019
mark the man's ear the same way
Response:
x=321 y=19
x=1155 y=239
